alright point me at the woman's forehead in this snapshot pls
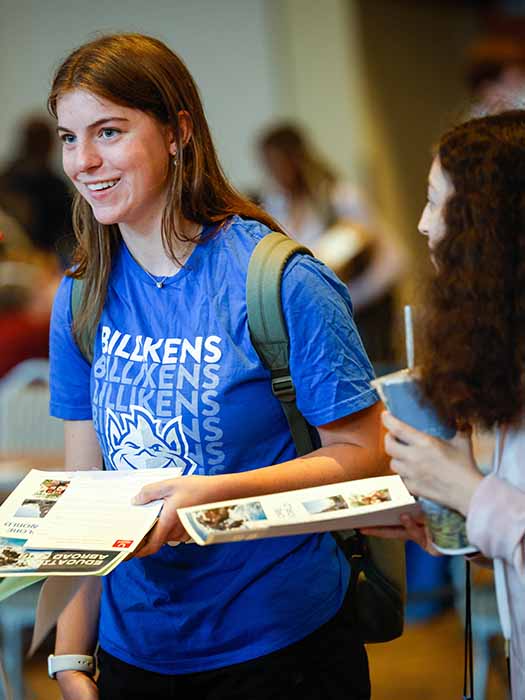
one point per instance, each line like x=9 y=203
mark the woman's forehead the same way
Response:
x=82 y=107
x=79 y=98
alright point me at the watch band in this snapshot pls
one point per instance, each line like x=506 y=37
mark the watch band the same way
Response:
x=70 y=662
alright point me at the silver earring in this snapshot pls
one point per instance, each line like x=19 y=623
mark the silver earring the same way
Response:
x=175 y=161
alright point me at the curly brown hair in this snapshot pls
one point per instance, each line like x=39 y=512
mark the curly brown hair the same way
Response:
x=473 y=339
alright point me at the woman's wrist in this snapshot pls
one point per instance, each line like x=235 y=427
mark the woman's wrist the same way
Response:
x=464 y=491
x=59 y=663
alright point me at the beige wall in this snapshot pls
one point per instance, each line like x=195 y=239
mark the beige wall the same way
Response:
x=225 y=44
x=318 y=75
x=375 y=81
x=412 y=58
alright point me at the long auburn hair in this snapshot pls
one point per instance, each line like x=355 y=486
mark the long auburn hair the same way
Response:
x=315 y=177
x=142 y=73
x=473 y=339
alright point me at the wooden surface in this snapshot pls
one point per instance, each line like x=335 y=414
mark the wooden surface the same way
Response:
x=425 y=664
x=32 y=460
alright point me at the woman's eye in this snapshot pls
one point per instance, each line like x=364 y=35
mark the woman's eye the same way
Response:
x=67 y=138
x=109 y=133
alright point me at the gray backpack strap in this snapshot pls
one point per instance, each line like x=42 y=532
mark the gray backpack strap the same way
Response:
x=86 y=339
x=377 y=585
x=268 y=329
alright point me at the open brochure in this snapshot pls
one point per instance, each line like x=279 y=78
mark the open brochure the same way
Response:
x=343 y=506
x=75 y=523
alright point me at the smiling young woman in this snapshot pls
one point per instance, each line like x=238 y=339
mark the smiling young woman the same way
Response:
x=164 y=243
x=137 y=77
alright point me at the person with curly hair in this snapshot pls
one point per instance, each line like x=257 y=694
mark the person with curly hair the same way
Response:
x=473 y=350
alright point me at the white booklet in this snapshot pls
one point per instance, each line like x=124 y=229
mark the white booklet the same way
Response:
x=75 y=523
x=343 y=506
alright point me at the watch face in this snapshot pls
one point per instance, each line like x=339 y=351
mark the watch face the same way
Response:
x=50 y=672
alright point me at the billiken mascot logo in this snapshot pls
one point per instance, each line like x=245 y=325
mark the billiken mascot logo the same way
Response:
x=138 y=441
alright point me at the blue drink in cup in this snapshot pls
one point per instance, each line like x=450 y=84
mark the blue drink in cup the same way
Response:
x=401 y=394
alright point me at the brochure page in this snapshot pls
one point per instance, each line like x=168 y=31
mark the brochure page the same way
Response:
x=81 y=522
x=346 y=505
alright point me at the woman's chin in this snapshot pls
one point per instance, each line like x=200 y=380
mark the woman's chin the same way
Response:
x=105 y=218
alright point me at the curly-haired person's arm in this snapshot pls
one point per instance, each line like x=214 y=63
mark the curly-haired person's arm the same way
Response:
x=496 y=521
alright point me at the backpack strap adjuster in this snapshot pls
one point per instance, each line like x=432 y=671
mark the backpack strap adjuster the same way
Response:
x=282 y=385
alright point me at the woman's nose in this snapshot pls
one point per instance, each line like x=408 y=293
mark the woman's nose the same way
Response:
x=422 y=226
x=87 y=157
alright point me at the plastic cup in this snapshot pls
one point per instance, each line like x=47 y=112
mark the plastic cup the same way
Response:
x=401 y=394
x=447 y=528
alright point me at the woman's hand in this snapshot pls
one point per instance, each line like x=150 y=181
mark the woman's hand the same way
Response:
x=75 y=685
x=411 y=528
x=440 y=470
x=176 y=493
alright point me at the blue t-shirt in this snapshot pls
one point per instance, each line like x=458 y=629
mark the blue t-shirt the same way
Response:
x=176 y=382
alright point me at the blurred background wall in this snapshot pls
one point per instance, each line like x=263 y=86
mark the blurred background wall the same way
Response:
x=374 y=81
x=225 y=43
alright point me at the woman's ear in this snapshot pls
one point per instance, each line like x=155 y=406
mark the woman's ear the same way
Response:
x=186 y=130
x=186 y=125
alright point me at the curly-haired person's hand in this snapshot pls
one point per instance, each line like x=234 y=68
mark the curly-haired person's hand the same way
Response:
x=444 y=471
x=413 y=527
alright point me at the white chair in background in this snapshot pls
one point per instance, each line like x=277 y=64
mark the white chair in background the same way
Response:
x=25 y=424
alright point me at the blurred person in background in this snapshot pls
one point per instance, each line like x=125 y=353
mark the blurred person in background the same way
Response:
x=27 y=287
x=495 y=73
x=14 y=241
x=310 y=200
x=32 y=192
x=28 y=281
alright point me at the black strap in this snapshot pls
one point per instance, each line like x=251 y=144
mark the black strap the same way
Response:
x=507 y=656
x=468 y=675
x=268 y=328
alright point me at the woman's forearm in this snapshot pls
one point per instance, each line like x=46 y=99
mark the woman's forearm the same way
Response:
x=77 y=627
x=324 y=466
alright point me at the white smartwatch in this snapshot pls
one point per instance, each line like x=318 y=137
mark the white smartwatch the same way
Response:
x=71 y=662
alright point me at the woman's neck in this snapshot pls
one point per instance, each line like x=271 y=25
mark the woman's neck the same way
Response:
x=148 y=250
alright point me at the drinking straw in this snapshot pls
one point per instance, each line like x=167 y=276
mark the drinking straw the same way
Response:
x=409 y=337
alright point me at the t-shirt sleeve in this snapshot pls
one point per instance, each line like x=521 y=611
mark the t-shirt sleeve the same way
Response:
x=328 y=363
x=69 y=376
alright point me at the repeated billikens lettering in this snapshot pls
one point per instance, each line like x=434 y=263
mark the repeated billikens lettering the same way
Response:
x=165 y=378
x=162 y=351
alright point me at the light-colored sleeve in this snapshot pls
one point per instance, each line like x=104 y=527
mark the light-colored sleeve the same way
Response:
x=349 y=202
x=496 y=521
x=389 y=259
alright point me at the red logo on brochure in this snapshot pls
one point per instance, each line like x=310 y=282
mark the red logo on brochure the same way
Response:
x=123 y=544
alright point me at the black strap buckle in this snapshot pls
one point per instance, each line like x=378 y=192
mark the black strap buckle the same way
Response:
x=283 y=388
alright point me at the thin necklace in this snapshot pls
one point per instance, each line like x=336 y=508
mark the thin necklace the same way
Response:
x=159 y=283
